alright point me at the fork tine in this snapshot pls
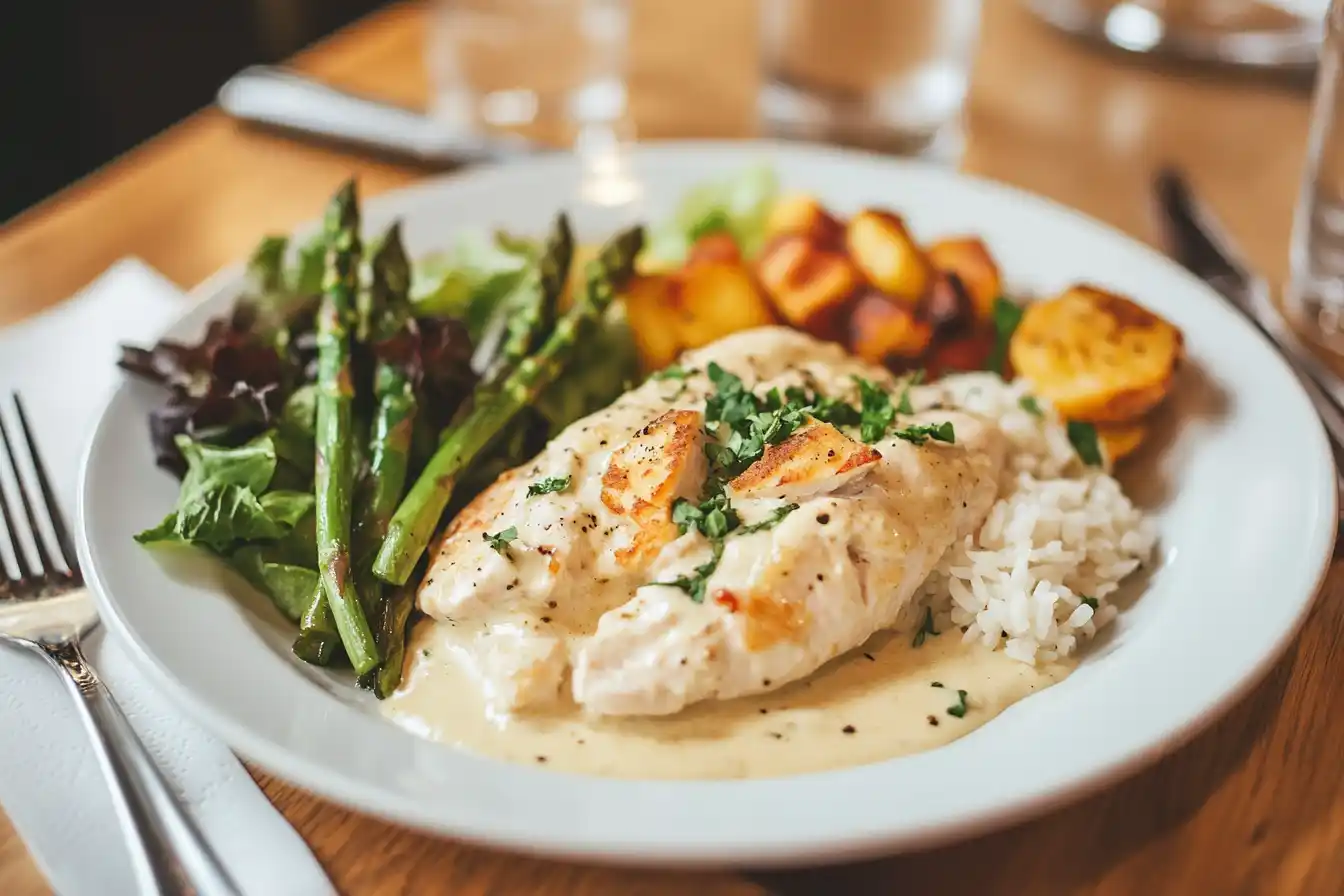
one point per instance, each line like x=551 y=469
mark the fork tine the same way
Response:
x=10 y=587
x=43 y=557
x=53 y=506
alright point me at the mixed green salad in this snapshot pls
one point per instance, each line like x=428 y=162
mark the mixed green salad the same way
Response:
x=353 y=398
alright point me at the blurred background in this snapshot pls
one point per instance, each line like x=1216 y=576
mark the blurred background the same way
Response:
x=84 y=80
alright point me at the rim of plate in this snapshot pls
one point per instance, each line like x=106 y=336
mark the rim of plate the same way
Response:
x=828 y=816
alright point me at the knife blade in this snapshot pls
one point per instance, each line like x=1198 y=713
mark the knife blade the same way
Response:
x=1195 y=239
x=287 y=101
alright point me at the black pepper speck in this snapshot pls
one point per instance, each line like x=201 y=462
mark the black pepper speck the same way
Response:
x=849 y=729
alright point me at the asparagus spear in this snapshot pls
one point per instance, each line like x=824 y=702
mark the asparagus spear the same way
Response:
x=318 y=639
x=538 y=294
x=394 y=416
x=389 y=443
x=396 y=612
x=415 y=520
x=335 y=428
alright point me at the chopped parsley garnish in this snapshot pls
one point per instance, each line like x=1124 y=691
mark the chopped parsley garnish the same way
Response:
x=742 y=425
x=714 y=517
x=671 y=372
x=1090 y=601
x=958 y=709
x=1030 y=405
x=925 y=628
x=935 y=684
x=921 y=433
x=500 y=540
x=695 y=585
x=875 y=411
x=1083 y=437
x=903 y=406
x=1006 y=315
x=731 y=403
x=548 y=486
x=770 y=521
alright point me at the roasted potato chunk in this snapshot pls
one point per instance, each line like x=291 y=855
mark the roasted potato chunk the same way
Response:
x=966 y=351
x=670 y=313
x=801 y=214
x=888 y=256
x=969 y=259
x=714 y=248
x=1097 y=356
x=880 y=329
x=1119 y=440
x=810 y=286
x=717 y=299
x=652 y=308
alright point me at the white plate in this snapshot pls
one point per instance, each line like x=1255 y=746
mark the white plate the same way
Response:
x=1243 y=488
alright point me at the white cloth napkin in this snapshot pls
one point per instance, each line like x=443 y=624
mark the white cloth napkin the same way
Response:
x=62 y=363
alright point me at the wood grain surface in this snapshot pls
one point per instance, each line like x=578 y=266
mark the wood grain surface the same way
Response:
x=1253 y=805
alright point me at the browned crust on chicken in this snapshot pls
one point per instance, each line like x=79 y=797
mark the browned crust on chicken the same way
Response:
x=644 y=476
x=812 y=453
x=485 y=508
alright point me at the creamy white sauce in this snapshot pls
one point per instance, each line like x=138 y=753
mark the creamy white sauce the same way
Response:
x=871 y=704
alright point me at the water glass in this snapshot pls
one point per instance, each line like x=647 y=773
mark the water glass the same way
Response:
x=550 y=71
x=884 y=74
x=1259 y=34
x=1315 y=295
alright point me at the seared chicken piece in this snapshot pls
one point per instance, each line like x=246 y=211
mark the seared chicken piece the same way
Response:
x=664 y=461
x=784 y=601
x=569 y=604
x=817 y=458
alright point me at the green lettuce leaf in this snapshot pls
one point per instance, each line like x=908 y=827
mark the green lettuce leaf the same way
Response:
x=289 y=587
x=223 y=499
x=739 y=205
x=468 y=280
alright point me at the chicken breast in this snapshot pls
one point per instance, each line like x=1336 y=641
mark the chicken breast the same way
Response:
x=590 y=598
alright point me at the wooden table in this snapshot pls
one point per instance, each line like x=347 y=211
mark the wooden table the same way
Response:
x=1254 y=805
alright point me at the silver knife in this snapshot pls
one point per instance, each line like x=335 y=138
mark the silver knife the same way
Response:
x=1194 y=238
x=285 y=100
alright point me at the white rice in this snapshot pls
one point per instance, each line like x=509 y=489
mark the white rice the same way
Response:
x=1059 y=532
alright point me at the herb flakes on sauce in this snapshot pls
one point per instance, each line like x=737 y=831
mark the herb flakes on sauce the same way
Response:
x=925 y=628
x=958 y=709
x=1083 y=437
x=548 y=486
x=500 y=540
x=1006 y=315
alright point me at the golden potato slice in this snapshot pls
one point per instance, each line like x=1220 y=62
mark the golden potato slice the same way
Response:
x=1097 y=356
x=803 y=215
x=880 y=329
x=717 y=299
x=652 y=309
x=888 y=256
x=810 y=286
x=1119 y=440
x=969 y=259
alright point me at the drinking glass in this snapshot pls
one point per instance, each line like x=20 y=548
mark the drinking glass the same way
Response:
x=548 y=71
x=883 y=74
x=1315 y=294
x=1259 y=34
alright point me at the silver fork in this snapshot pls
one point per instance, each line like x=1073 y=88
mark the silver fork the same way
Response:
x=45 y=608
